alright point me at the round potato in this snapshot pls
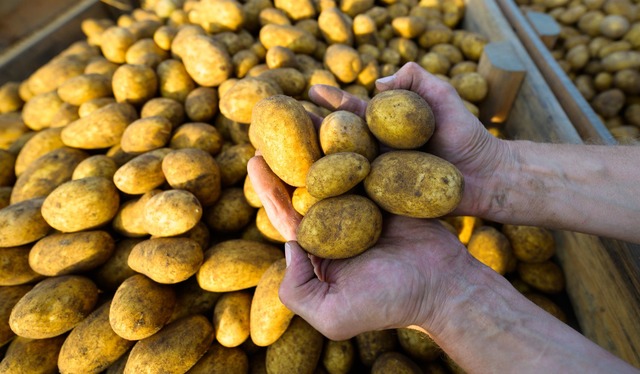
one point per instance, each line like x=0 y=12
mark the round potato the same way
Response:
x=545 y=276
x=233 y=163
x=146 y=134
x=231 y=318
x=397 y=183
x=492 y=248
x=115 y=41
x=400 y=119
x=174 y=81
x=297 y=350
x=336 y=174
x=530 y=243
x=470 y=86
x=134 y=84
x=166 y=260
x=201 y=104
x=95 y=166
x=338 y=356
x=193 y=170
x=231 y=213
x=340 y=227
x=141 y=174
x=171 y=213
x=170 y=109
x=343 y=131
x=53 y=307
x=197 y=135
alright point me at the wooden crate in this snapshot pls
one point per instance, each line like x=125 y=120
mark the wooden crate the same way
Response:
x=603 y=276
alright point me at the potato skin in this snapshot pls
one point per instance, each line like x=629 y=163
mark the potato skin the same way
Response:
x=102 y=128
x=297 y=40
x=298 y=349
x=43 y=142
x=282 y=130
x=238 y=101
x=530 y=243
x=235 y=265
x=176 y=348
x=206 y=61
x=400 y=119
x=134 y=84
x=418 y=345
x=231 y=318
x=193 y=170
x=395 y=183
x=492 y=248
x=220 y=359
x=372 y=344
x=545 y=276
x=22 y=223
x=53 y=307
x=116 y=270
x=140 y=307
x=343 y=131
x=9 y=295
x=340 y=227
x=92 y=346
x=146 y=134
x=141 y=174
x=338 y=356
x=166 y=260
x=231 y=213
x=336 y=174
x=37 y=356
x=14 y=267
x=171 y=212
x=394 y=362
x=85 y=87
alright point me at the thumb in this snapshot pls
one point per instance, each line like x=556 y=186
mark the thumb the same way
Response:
x=300 y=287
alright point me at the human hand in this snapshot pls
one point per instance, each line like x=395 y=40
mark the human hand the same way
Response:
x=403 y=280
x=459 y=136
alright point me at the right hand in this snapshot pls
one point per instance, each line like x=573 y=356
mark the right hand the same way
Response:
x=459 y=137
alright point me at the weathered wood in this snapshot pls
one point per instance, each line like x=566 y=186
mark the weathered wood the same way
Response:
x=545 y=26
x=504 y=73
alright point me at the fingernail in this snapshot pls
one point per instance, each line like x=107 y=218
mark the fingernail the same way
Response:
x=287 y=253
x=386 y=80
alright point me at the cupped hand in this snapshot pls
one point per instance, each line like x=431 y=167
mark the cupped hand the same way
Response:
x=459 y=137
x=403 y=280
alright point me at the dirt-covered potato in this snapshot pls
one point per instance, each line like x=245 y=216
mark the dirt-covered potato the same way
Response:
x=140 y=307
x=95 y=166
x=296 y=39
x=340 y=227
x=220 y=359
x=283 y=132
x=53 y=307
x=51 y=75
x=238 y=101
x=193 y=170
x=343 y=61
x=81 y=204
x=230 y=213
x=335 y=26
x=43 y=142
x=85 y=87
x=22 y=223
x=92 y=346
x=269 y=318
x=544 y=276
x=336 y=174
x=146 y=134
x=235 y=265
x=400 y=119
x=166 y=260
x=343 y=131
x=14 y=267
x=39 y=111
x=402 y=172
x=116 y=270
x=142 y=173
x=206 y=61
x=231 y=318
x=175 y=349
x=418 y=345
x=394 y=362
x=608 y=103
x=338 y=356
x=201 y=104
x=115 y=41
x=145 y=52
x=102 y=128
x=12 y=128
x=26 y=355
x=291 y=81
x=171 y=212
x=134 y=84
x=174 y=81
x=10 y=296
x=298 y=349
x=372 y=344
x=61 y=254
x=530 y=243
x=197 y=135
x=492 y=248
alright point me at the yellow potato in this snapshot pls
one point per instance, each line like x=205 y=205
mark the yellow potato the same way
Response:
x=413 y=195
x=14 y=267
x=140 y=307
x=85 y=87
x=81 y=204
x=297 y=40
x=26 y=355
x=291 y=81
x=298 y=349
x=65 y=115
x=55 y=72
x=239 y=100
x=116 y=270
x=336 y=174
x=166 y=260
x=145 y=52
x=95 y=166
x=338 y=356
x=233 y=163
x=115 y=41
x=10 y=295
x=11 y=129
x=201 y=104
x=394 y=362
x=373 y=344
x=230 y=213
x=61 y=254
x=302 y=200
x=206 y=61
x=39 y=111
x=174 y=81
x=10 y=100
x=418 y=345
x=544 y=276
x=269 y=318
x=102 y=128
x=217 y=16
x=231 y=318
x=266 y=228
x=343 y=61
x=492 y=248
x=134 y=84
x=193 y=170
x=22 y=223
x=343 y=131
x=197 y=135
x=235 y=265
x=41 y=143
x=170 y=109
x=250 y=194
x=335 y=26
x=142 y=174
x=53 y=307
x=171 y=212
x=220 y=359
x=146 y=134
x=529 y=243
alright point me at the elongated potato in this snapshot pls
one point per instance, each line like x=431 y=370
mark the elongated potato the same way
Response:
x=95 y=166
x=41 y=143
x=338 y=356
x=14 y=267
x=238 y=101
x=336 y=174
x=296 y=39
x=221 y=359
x=10 y=295
x=142 y=174
x=530 y=243
x=166 y=260
x=146 y=134
x=171 y=212
x=85 y=87
x=92 y=346
x=231 y=318
x=40 y=110
x=102 y=128
x=206 y=61
x=38 y=356
x=53 y=307
x=298 y=349
x=22 y=223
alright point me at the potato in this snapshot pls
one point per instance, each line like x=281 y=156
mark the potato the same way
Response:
x=239 y=100
x=297 y=40
x=413 y=195
x=85 y=87
x=192 y=299
x=91 y=106
x=435 y=63
x=134 y=84
x=32 y=355
x=302 y=200
x=451 y=52
x=142 y=174
x=11 y=129
x=231 y=318
x=628 y=80
x=55 y=72
x=343 y=61
x=230 y=213
x=140 y=307
x=95 y=166
x=340 y=227
x=336 y=174
x=61 y=254
x=40 y=110
x=394 y=362
x=102 y=66
x=116 y=270
x=470 y=86
x=102 y=128
x=216 y=16
x=146 y=134
x=220 y=359
x=7 y=167
x=400 y=119
x=65 y=115
x=418 y=345
x=173 y=80
x=10 y=296
x=269 y=318
x=544 y=276
x=14 y=267
x=280 y=57
x=115 y=41
x=206 y=61
x=608 y=103
x=289 y=155
x=578 y=57
x=5 y=196
x=338 y=356
x=291 y=81
x=233 y=163
x=621 y=60
x=145 y=52
x=614 y=26
x=235 y=265
x=343 y=131
x=373 y=344
x=193 y=170
x=492 y=248
x=171 y=213
x=92 y=346
x=175 y=348
x=22 y=223
x=94 y=202
x=530 y=243
x=335 y=26
x=197 y=135
x=298 y=349
x=10 y=100
x=53 y=307
x=632 y=114
x=166 y=260
x=40 y=144
x=548 y=305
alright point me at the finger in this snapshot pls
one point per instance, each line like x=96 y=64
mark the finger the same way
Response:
x=300 y=288
x=316 y=119
x=275 y=197
x=334 y=99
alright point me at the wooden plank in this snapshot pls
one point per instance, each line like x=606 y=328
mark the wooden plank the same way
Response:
x=583 y=117
x=603 y=275
x=545 y=26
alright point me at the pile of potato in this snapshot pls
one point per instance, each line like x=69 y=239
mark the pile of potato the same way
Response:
x=599 y=48
x=130 y=237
